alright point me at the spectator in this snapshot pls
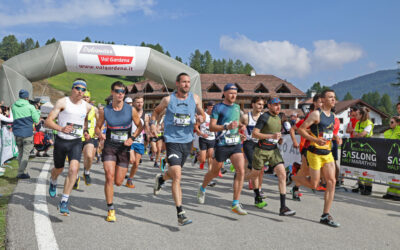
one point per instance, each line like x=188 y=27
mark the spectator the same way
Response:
x=25 y=114
x=293 y=119
x=353 y=121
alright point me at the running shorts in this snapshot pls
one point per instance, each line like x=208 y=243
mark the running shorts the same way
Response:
x=261 y=156
x=64 y=148
x=316 y=162
x=177 y=153
x=205 y=144
x=248 y=149
x=93 y=141
x=119 y=154
x=138 y=148
x=222 y=153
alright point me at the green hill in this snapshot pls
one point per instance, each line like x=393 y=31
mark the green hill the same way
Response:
x=379 y=81
x=98 y=85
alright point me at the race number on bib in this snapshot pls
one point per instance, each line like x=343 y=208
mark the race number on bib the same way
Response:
x=119 y=136
x=77 y=130
x=181 y=120
x=328 y=135
x=232 y=139
x=139 y=138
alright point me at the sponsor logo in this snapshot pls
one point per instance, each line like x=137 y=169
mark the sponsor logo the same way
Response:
x=97 y=50
x=359 y=153
x=112 y=60
x=393 y=157
x=173 y=155
x=347 y=172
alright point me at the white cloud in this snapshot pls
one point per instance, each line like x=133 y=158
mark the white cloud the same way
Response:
x=329 y=53
x=285 y=59
x=272 y=57
x=73 y=11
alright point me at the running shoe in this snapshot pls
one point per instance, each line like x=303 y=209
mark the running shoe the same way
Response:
x=201 y=165
x=111 y=216
x=156 y=165
x=263 y=195
x=182 y=219
x=201 y=196
x=129 y=183
x=88 y=180
x=259 y=202
x=285 y=211
x=223 y=170
x=76 y=185
x=157 y=186
x=321 y=188
x=220 y=174
x=45 y=155
x=328 y=220
x=163 y=164
x=238 y=209
x=212 y=184
x=63 y=208
x=52 y=190
x=296 y=195
x=232 y=168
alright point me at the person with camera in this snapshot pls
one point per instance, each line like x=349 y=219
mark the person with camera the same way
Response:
x=25 y=115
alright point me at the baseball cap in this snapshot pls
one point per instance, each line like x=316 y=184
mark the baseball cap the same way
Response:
x=210 y=103
x=274 y=100
x=230 y=86
x=128 y=100
x=23 y=94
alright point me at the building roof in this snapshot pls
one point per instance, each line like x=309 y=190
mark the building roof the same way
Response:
x=344 y=105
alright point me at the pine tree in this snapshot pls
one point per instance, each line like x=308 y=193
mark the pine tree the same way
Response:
x=347 y=97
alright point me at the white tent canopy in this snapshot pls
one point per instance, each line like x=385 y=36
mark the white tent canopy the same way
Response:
x=19 y=71
x=46 y=108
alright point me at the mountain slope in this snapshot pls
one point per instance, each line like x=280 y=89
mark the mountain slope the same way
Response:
x=379 y=81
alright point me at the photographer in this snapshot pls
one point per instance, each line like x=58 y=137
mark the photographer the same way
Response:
x=25 y=114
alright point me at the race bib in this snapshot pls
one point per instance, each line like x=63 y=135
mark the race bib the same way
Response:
x=328 y=135
x=272 y=141
x=232 y=139
x=139 y=138
x=77 y=130
x=119 y=136
x=181 y=120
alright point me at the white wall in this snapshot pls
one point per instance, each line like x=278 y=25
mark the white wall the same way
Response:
x=375 y=117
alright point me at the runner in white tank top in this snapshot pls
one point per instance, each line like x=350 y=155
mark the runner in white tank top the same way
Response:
x=71 y=112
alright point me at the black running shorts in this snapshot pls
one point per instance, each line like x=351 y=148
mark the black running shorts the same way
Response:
x=64 y=148
x=177 y=153
x=222 y=153
x=119 y=154
x=248 y=149
x=205 y=144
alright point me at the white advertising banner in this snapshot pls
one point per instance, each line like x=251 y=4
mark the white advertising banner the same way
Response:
x=8 y=148
x=288 y=152
x=105 y=59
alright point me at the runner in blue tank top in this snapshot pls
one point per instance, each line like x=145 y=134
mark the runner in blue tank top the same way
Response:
x=180 y=118
x=118 y=140
x=225 y=121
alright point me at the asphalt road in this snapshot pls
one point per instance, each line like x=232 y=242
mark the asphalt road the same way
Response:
x=145 y=221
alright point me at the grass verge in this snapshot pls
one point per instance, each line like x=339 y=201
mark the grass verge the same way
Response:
x=7 y=184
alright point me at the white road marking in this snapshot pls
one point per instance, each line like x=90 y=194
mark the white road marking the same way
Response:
x=43 y=229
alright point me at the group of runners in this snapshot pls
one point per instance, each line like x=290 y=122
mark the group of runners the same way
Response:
x=123 y=131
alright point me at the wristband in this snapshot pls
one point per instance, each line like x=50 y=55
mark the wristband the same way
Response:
x=225 y=127
x=132 y=137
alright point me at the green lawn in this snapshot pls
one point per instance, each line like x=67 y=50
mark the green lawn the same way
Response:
x=7 y=184
x=98 y=85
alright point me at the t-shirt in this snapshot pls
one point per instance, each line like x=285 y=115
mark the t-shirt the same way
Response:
x=353 y=125
x=225 y=114
x=336 y=126
x=269 y=124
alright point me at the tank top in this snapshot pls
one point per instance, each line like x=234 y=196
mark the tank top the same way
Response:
x=250 y=126
x=119 y=124
x=324 y=129
x=73 y=114
x=180 y=119
x=140 y=137
x=205 y=129
x=91 y=117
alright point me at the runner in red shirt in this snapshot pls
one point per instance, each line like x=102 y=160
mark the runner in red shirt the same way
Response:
x=353 y=121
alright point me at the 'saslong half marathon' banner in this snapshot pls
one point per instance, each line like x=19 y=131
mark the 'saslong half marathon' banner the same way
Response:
x=374 y=158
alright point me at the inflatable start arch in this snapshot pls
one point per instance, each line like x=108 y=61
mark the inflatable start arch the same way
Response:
x=20 y=71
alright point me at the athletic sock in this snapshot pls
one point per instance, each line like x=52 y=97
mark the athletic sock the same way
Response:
x=235 y=202
x=53 y=182
x=295 y=188
x=161 y=180
x=256 y=192
x=324 y=214
x=87 y=172
x=179 y=209
x=202 y=189
x=283 y=200
x=65 y=197
x=110 y=206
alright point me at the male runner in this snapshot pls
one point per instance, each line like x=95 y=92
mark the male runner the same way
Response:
x=118 y=140
x=137 y=148
x=180 y=117
x=249 y=120
x=225 y=121
x=268 y=132
x=206 y=140
x=71 y=112
x=319 y=156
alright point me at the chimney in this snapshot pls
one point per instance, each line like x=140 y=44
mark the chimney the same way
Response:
x=252 y=72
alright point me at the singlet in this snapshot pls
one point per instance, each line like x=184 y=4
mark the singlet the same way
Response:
x=205 y=129
x=180 y=119
x=73 y=114
x=119 y=124
x=140 y=137
x=324 y=129
x=91 y=123
x=250 y=126
x=225 y=114
x=360 y=126
x=268 y=124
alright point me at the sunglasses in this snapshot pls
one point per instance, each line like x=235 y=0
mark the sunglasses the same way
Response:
x=391 y=122
x=80 y=89
x=119 y=91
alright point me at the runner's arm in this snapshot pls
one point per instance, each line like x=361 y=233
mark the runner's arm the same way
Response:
x=138 y=123
x=313 y=118
x=293 y=136
x=99 y=125
x=200 y=111
x=58 y=107
x=157 y=114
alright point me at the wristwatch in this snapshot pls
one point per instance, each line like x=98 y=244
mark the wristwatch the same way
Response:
x=225 y=127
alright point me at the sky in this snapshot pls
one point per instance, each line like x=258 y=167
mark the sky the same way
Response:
x=300 y=41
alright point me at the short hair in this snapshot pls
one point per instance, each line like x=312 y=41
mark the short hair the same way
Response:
x=256 y=99
x=312 y=106
x=138 y=97
x=316 y=97
x=396 y=119
x=117 y=84
x=354 y=108
x=79 y=79
x=323 y=94
x=178 y=77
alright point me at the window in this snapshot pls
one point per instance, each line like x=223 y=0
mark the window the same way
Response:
x=283 y=89
x=285 y=106
x=240 y=90
x=261 y=89
x=214 y=89
x=134 y=89
x=148 y=88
